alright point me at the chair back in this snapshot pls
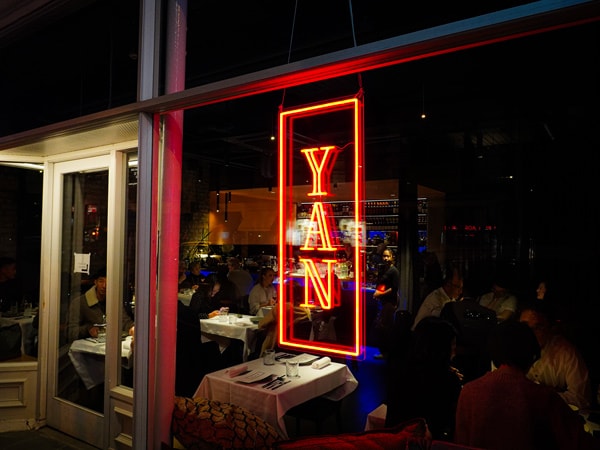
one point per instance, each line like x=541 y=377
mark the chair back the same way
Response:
x=261 y=335
x=193 y=359
x=243 y=305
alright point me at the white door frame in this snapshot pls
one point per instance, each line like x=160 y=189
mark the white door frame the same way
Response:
x=85 y=424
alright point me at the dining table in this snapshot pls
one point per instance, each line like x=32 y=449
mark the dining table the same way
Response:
x=223 y=328
x=271 y=401
x=26 y=324
x=185 y=296
x=376 y=418
x=87 y=356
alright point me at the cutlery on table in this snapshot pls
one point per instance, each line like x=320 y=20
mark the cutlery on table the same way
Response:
x=273 y=381
x=280 y=384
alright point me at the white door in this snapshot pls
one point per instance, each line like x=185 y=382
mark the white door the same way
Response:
x=86 y=229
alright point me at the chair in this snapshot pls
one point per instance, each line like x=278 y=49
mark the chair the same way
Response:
x=317 y=410
x=243 y=305
x=302 y=330
x=193 y=359
x=233 y=353
x=261 y=334
x=323 y=329
x=401 y=333
x=473 y=323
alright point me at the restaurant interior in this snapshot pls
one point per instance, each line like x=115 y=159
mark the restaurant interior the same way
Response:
x=490 y=161
x=492 y=156
x=485 y=157
x=490 y=134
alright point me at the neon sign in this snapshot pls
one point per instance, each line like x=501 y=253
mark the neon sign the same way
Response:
x=318 y=282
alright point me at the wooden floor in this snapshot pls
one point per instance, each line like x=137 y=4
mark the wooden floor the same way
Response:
x=45 y=438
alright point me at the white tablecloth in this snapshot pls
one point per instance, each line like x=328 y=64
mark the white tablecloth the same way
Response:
x=87 y=357
x=376 y=418
x=185 y=297
x=335 y=380
x=216 y=330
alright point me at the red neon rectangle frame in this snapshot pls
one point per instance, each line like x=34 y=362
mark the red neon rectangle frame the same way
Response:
x=289 y=151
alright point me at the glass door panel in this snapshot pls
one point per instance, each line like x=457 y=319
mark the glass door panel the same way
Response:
x=91 y=289
x=83 y=288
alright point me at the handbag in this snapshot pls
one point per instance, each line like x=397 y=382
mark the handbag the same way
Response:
x=10 y=341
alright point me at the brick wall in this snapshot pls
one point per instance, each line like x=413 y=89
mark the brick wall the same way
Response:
x=194 y=209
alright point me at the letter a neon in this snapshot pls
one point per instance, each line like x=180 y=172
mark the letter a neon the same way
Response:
x=318 y=228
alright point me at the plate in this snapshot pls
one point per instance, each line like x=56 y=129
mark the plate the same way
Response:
x=252 y=376
x=304 y=359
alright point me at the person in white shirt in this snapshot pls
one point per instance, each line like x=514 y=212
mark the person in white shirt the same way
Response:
x=561 y=365
x=450 y=291
x=500 y=300
x=263 y=293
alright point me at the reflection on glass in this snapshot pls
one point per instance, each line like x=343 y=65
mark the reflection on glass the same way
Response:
x=83 y=305
x=83 y=288
x=129 y=288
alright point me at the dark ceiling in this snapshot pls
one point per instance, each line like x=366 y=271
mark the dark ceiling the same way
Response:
x=492 y=112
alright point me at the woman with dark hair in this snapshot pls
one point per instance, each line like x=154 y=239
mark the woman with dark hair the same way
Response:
x=203 y=303
x=221 y=292
x=549 y=297
x=425 y=384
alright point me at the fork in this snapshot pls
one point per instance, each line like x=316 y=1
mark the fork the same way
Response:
x=273 y=381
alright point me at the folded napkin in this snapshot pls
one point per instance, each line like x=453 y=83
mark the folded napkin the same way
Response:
x=320 y=363
x=235 y=371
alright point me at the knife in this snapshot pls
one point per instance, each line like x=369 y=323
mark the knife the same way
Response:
x=274 y=380
x=281 y=384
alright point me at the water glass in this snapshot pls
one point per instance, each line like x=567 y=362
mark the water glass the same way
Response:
x=291 y=369
x=101 y=334
x=269 y=357
x=223 y=316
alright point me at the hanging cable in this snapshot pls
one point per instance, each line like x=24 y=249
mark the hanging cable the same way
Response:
x=354 y=41
x=290 y=48
x=292 y=40
x=352 y=22
x=292 y=33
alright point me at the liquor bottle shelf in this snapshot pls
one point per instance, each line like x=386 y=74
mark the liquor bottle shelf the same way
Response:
x=379 y=215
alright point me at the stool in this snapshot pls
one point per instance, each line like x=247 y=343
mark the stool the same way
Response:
x=317 y=410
